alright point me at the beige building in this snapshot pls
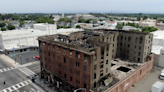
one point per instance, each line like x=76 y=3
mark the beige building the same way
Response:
x=148 y=23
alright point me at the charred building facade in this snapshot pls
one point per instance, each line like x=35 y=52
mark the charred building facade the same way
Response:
x=83 y=59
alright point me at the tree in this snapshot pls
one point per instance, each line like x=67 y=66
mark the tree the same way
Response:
x=78 y=26
x=15 y=17
x=90 y=13
x=81 y=21
x=2 y=24
x=119 y=26
x=21 y=23
x=145 y=17
x=10 y=27
x=123 y=23
x=150 y=29
x=134 y=30
x=138 y=18
x=3 y=29
x=146 y=31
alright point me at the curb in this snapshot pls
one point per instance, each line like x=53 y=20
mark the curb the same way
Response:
x=42 y=86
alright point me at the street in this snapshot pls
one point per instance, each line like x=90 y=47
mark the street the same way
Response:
x=17 y=78
x=35 y=67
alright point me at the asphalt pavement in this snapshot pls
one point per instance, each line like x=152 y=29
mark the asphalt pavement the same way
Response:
x=16 y=79
x=35 y=67
x=24 y=57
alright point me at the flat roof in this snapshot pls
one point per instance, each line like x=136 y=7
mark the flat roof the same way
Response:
x=11 y=32
x=159 y=34
x=156 y=49
x=132 y=65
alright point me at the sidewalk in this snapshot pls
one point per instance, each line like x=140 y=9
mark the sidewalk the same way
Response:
x=9 y=60
x=44 y=85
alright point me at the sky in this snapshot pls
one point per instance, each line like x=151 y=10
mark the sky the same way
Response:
x=81 y=6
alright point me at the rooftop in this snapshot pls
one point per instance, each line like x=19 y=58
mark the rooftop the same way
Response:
x=21 y=31
x=122 y=68
x=78 y=39
x=156 y=49
x=159 y=34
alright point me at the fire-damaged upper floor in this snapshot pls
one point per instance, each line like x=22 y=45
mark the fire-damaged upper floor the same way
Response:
x=132 y=44
x=84 y=40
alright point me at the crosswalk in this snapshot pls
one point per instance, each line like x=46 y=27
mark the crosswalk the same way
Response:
x=16 y=86
x=6 y=69
x=26 y=71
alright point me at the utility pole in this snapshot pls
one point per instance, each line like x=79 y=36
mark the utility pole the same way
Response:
x=21 y=59
x=14 y=54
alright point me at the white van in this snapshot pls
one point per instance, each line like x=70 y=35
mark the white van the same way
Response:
x=161 y=76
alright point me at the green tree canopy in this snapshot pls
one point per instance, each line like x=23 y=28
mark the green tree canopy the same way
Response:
x=15 y=17
x=81 y=21
x=135 y=30
x=138 y=18
x=123 y=23
x=21 y=23
x=44 y=20
x=78 y=26
x=65 y=19
x=2 y=24
x=150 y=29
x=145 y=17
x=3 y=29
x=119 y=26
x=10 y=27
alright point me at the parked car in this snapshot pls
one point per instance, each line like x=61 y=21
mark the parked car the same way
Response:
x=161 y=76
x=37 y=57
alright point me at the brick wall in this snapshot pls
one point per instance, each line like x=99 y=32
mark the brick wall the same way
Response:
x=134 y=77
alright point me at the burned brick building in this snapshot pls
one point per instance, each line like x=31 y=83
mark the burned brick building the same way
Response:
x=83 y=59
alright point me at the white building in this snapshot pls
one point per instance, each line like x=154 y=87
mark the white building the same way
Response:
x=158 y=38
x=56 y=17
x=158 y=47
x=27 y=38
x=110 y=24
x=107 y=24
x=130 y=27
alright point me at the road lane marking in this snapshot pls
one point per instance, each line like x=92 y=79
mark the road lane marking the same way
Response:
x=16 y=86
x=6 y=69
x=26 y=71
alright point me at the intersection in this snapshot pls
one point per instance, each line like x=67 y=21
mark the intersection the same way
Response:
x=16 y=77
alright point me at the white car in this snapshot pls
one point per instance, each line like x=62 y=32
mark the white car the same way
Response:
x=161 y=76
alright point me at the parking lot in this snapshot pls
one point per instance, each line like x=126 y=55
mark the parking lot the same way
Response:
x=145 y=84
x=25 y=57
